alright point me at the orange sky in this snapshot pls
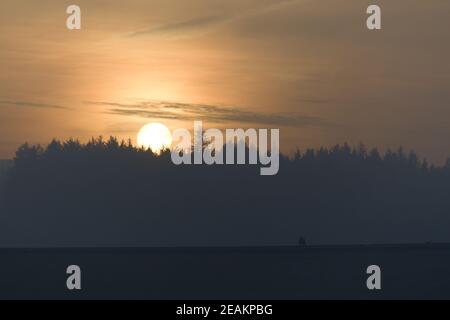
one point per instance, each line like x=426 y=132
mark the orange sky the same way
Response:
x=310 y=68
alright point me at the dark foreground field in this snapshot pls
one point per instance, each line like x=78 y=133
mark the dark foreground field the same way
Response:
x=408 y=271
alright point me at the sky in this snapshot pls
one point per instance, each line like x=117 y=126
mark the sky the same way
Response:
x=308 y=67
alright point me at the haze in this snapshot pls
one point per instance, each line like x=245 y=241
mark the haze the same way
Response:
x=310 y=68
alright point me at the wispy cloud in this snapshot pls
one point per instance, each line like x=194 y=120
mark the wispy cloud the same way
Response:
x=29 y=104
x=314 y=101
x=202 y=25
x=189 y=26
x=210 y=113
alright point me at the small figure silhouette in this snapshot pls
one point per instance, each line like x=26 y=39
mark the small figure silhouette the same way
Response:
x=302 y=242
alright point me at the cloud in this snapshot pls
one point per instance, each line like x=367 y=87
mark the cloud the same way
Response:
x=202 y=25
x=210 y=113
x=32 y=104
x=189 y=26
x=314 y=101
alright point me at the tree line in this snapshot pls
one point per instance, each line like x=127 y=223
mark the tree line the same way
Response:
x=108 y=191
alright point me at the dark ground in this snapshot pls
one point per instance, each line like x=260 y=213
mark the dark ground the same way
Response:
x=338 y=272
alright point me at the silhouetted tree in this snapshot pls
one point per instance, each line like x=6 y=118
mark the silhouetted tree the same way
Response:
x=106 y=190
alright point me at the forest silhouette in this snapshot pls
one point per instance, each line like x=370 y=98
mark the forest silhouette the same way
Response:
x=107 y=192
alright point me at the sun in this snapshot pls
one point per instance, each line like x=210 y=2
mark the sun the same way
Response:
x=154 y=136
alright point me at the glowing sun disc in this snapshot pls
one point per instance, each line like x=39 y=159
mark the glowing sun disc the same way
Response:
x=154 y=136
